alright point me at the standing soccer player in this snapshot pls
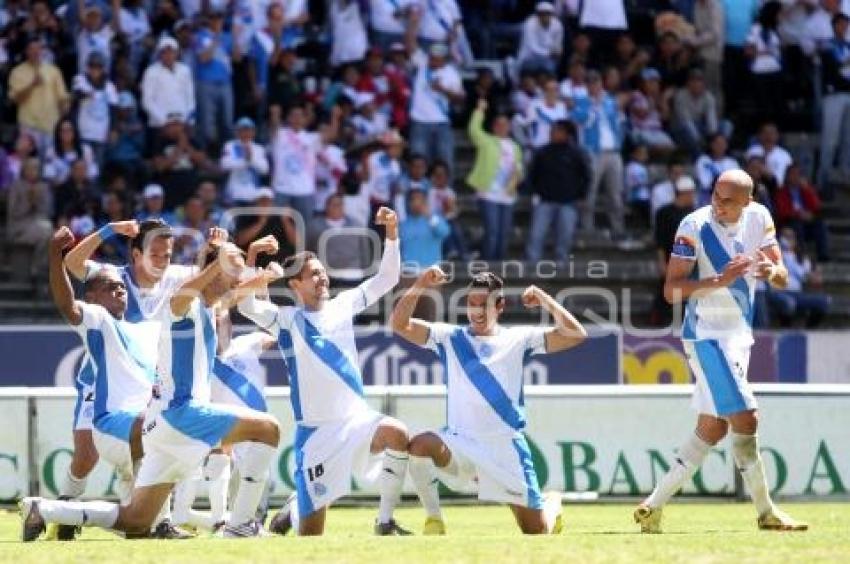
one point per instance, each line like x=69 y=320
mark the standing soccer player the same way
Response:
x=720 y=252
x=337 y=433
x=483 y=364
x=183 y=427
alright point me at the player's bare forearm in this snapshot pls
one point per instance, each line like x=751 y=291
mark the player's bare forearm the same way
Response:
x=192 y=288
x=400 y=319
x=75 y=260
x=568 y=331
x=60 y=284
x=679 y=290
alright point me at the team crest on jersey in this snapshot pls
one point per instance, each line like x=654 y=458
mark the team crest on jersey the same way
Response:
x=485 y=350
x=684 y=247
x=319 y=489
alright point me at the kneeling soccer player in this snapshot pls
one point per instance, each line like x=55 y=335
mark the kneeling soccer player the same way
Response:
x=483 y=366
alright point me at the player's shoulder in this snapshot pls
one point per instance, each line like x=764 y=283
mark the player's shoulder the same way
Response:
x=696 y=219
x=755 y=211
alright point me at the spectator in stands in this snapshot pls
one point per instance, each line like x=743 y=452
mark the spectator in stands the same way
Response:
x=667 y=220
x=440 y=23
x=421 y=234
x=383 y=172
x=375 y=80
x=95 y=96
x=709 y=25
x=348 y=32
x=414 y=177
x=798 y=207
x=739 y=16
x=777 y=158
x=40 y=23
x=543 y=112
x=190 y=232
x=246 y=162
x=495 y=176
x=331 y=166
x=368 y=122
x=398 y=76
x=671 y=60
x=284 y=86
x=629 y=59
x=296 y=16
x=268 y=220
x=764 y=183
x=835 y=128
x=135 y=27
x=638 y=186
x=184 y=33
x=559 y=175
x=389 y=21
x=523 y=95
x=73 y=195
x=603 y=21
x=28 y=215
x=575 y=85
x=95 y=34
x=23 y=149
x=264 y=51
x=819 y=30
x=792 y=302
x=485 y=86
x=344 y=252
x=167 y=87
x=710 y=165
x=178 y=161
x=648 y=109
x=602 y=135
x=215 y=53
x=443 y=200
x=153 y=200
x=436 y=86
x=664 y=192
x=294 y=152
x=65 y=149
x=38 y=91
x=542 y=41
x=764 y=50
x=695 y=115
x=114 y=250
x=127 y=137
x=208 y=193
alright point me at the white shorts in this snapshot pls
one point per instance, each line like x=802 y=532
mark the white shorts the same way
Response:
x=720 y=370
x=84 y=408
x=176 y=440
x=111 y=435
x=327 y=456
x=500 y=465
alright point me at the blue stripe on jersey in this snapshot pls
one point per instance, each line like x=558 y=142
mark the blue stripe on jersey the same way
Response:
x=719 y=259
x=305 y=502
x=97 y=349
x=689 y=331
x=284 y=343
x=329 y=354
x=85 y=376
x=535 y=500
x=119 y=424
x=204 y=423
x=237 y=383
x=485 y=382
x=182 y=360
x=134 y=311
x=724 y=390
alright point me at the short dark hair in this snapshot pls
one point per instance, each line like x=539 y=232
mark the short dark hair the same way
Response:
x=439 y=163
x=566 y=126
x=149 y=228
x=490 y=282
x=296 y=260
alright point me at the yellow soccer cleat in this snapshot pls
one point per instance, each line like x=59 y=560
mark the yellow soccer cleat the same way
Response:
x=52 y=532
x=434 y=526
x=553 y=506
x=778 y=520
x=649 y=519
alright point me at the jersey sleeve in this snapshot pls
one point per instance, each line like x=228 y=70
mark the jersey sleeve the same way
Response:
x=534 y=339
x=263 y=313
x=438 y=334
x=768 y=237
x=686 y=242
x=92 y=317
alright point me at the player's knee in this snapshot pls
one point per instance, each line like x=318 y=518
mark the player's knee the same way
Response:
x=712 y=432
x=746 y=423
x=270 y=431
x=421 y=445
x=395 y=435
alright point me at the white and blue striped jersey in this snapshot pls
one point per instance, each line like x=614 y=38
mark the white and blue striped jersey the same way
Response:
x=186 y=352
x=724 y=312
x=238 y=373
x=484 y=376
x=123 y=378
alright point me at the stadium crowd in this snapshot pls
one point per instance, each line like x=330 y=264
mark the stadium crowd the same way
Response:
x=190 y=111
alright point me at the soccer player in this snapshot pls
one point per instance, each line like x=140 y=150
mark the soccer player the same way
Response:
x=483 y=364
x=180 y=431
x=720 y=252
x=123 y=378
x=337 y=433
x=149 y=279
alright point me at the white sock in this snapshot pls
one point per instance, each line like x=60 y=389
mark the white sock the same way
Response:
x=551 y=510
x=217 y=476
x=421 y=470
x=687 y=462
x=87 y=513
x=295 y=517
x=253 y=464
x=392 y=480
x=184 y=497
x=748 y=459
x=164 y=512
x=71 y=486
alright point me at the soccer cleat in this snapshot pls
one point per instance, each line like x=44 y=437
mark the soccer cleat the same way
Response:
x=32 y=523
x=249 y=529
x=390 y=529
x=63 y=532
x=434 y=526
x=778 y=520
x=554 y=499
x=281 y=523
x=167 y=531
x=649 y=518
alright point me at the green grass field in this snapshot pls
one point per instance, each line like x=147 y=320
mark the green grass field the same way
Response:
x=594 y=533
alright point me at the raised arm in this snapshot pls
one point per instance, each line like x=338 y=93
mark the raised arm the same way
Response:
x=415 y=330
x=389 y=271
x=75 y=260
x=192 y=287
x=60 y=284
x=568 y=331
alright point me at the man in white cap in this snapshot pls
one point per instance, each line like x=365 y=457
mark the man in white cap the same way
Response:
x=167 y=86
x=246 y=161
x=153 y=199
x=436 y=86
x=542 y=40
